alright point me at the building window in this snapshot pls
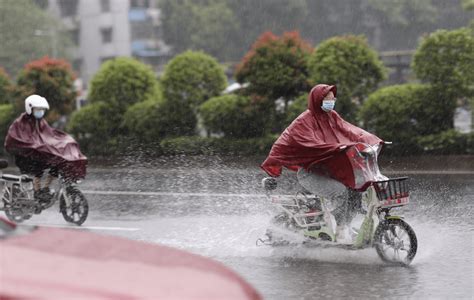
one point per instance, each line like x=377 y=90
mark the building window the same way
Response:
x=75 y=36
x=68 y=7
x=140 y=3
x=106 y=35
x=105 y=5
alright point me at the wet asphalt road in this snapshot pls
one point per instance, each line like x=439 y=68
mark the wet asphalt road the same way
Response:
x=219 y=211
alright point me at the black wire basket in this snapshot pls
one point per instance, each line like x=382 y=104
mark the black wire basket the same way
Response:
x=393 y=192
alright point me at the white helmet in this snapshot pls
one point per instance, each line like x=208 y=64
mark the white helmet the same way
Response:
x=35 y=101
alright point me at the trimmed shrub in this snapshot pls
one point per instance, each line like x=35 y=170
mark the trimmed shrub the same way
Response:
x=350 y=63
x=232 y=115
x=191 y=78
x=296 y=108
x=94 y=128
x=276 y=67
x=122 y=82
x=52 y=79
x=395 y=113
x=149 y=121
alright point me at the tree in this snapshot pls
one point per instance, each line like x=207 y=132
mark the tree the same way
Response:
x=349 y=63
x=5 y=88
x=122 y=82
x=216 y=27
x=49 y=78
x=225 y=28
x=232 y=115
x=23 y=25
x=445 y=60
x=276 y=67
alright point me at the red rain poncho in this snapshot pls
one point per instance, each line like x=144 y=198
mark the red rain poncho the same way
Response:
x=314 y=141
x=36 y=139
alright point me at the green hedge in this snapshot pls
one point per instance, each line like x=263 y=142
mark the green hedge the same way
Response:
x=447 y=142
x=232 y=115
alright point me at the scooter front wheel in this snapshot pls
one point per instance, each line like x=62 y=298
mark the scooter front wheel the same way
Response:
x=76 y=209
x=395 y=242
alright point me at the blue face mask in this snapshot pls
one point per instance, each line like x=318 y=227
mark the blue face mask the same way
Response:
x=38 y=114
x=328 y=105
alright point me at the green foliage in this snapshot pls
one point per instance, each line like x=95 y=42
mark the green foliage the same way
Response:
x=199 y=26
x=94 y=127
x=192 y=78
x=28 y=32
x=403 y=12
x=225 y=28
x=189 y=79
x=468 y=4
x=276 y=67
x=122 y=82
x=447 y=142
x=7 y=116
x=5 y=88
x=296 y=108
x=398 y=113
x=349 y=63
x=211 y=146
x=52 y=79
x=446 y=60
x=143 y=120
x=232 y=115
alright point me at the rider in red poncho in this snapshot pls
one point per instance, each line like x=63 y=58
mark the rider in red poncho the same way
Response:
x=314 y=143
x=37 y=147
x=316 y=136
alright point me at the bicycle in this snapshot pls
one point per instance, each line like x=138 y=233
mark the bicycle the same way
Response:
x=19 y=204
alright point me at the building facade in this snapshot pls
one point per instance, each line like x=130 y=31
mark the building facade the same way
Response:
x=105 y=29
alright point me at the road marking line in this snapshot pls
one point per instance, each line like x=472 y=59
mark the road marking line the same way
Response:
x=84 y=227
x=132 y=193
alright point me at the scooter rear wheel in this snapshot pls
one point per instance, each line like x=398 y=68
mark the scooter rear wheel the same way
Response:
x=77 y=210
x=395 y=242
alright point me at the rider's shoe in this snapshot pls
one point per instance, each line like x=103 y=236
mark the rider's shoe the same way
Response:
x=44 y=195
x=342 y=234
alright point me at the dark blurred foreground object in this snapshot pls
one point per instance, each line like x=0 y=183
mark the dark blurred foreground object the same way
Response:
x=3 y=164
x=51 y=263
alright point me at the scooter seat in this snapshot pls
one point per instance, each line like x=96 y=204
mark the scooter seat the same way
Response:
x=15 y=178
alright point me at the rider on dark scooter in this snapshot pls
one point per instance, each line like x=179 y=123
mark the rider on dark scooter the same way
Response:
x=313 y=145
x=38 y=147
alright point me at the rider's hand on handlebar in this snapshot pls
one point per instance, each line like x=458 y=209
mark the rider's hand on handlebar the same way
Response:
x=342 y=147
